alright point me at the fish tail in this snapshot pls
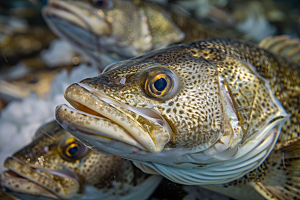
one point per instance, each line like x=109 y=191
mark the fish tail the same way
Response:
x=279 y=175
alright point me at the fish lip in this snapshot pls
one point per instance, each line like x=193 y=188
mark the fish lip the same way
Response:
x=63 y=114
x=22 y=172
x=116 y=114
x=70 y=15
x=9 y=177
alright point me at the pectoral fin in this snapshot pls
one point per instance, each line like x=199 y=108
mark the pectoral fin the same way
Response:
x=282 y=172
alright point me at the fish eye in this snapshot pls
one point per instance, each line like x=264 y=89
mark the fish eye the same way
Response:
x=159 y=83
x=103 y=4
x=72 y=149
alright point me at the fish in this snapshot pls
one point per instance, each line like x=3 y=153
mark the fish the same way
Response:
x=56 y=165
x=31 y=81
x=112 y=30
x=20 y=44
x=283 y=45
x=218 y=113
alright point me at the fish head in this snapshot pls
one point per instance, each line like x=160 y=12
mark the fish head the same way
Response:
x=45 y=167
x=56 y=165
x=189 y=106
x=161 y=107
x=128 y=28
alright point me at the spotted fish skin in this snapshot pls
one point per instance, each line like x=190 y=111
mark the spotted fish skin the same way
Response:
x=282 y=73
x=124 y=29
x=276 y=178
x=44 y=169
x=128 y=28
x=228 y=104
x=228 y=55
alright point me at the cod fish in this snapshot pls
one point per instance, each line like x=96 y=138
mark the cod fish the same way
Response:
x=56 y=165
x=205 y=113
x=126 y=28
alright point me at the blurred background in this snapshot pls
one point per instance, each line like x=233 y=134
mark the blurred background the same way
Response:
x=36 y=65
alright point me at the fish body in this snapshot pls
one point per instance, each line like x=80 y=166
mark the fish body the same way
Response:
x=206 y=113
x=56 y=165
x=17 y=45
x=122 y=29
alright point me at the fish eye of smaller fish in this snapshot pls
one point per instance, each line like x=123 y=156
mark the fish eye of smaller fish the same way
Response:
x=159 y=83
x=72 y=150
x=103 y=4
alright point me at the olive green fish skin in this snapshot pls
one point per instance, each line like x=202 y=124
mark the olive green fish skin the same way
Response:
x=226 y=106
x=282 y=73
x=125 y=28
x=283 y=76
x=109 y=176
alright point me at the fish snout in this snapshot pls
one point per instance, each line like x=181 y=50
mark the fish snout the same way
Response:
x=24 y=178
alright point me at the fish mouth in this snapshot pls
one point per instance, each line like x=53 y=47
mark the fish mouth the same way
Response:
x=23 y=178
x=99 y=117
x=70 y=22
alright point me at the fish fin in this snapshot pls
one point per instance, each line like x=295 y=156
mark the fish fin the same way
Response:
x=283 y=45
x=282 y=172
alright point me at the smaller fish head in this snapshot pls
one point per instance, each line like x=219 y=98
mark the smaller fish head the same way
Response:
x=56 y=165
x=46 y=166
x=124 y=27
x=162 y=107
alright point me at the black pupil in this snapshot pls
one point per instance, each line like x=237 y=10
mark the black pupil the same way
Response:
x=73 y=150
x=160 y=84
x=100 y=3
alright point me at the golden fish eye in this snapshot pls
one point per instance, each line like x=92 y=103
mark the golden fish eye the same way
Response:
x=72 y=150
x=159 y=82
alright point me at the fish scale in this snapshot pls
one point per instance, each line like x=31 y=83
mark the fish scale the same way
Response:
x=124 y=30
x=226 y=114
x=43 y=170
x=283 y=75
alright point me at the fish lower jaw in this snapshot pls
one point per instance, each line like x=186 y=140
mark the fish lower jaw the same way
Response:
x=75 y=15
x=97 y=116
x=84 y=124
x=12 y=182
x=60 y=13
x=22 y=178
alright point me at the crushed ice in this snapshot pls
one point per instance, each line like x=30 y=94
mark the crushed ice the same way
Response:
x=59 y=53
x=19 y=120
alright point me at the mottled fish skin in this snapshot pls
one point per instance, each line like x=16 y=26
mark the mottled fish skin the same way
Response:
x=224 y=103
x=48 y=168
x=126 y=28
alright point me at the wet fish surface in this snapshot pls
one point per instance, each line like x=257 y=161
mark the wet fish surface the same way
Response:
x=219 y=113
x=123 y=29
x=56 y=165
